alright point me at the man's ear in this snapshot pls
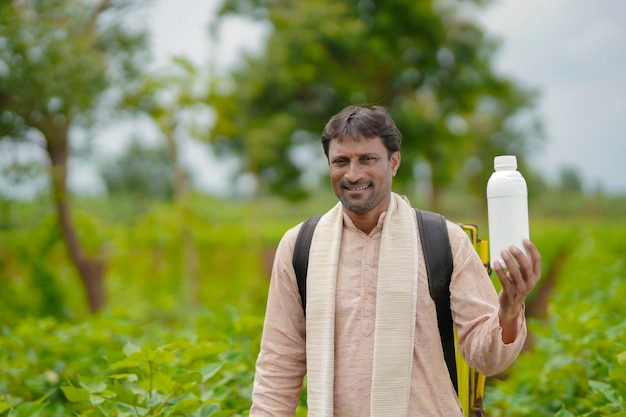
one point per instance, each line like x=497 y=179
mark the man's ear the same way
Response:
x=395 y=162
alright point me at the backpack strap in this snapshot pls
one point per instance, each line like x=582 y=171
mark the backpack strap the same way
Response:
x=300 y=259
x=438 y=257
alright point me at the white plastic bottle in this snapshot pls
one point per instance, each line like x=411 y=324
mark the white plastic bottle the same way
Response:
x=507 y=207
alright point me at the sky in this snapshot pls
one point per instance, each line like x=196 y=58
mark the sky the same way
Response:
x=571 y=51
x=180 y=28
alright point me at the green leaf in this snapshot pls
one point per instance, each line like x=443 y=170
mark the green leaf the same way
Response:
x=128 y=377
x=220 y=392
x=93 y=385
x=605 y=389
x=210 y=370
x=162 y=382
x=28 y=409
x=223 y=413
x=208 y=410
x=189 y=405
x=563 y=412
x=130 y=348
x=4 y=406
x=185 y=377
x=234 y=356
x=97 y=399
x=160 y=356
x=124 y=395
x=618 y=374
x=621 y=358
x=133 y=361
x=75 y=395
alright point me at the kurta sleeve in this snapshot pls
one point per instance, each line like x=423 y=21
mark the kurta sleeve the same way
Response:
x=281 y=364
x=475 y=311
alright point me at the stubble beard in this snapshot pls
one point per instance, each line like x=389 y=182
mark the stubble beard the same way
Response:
x=357 y=206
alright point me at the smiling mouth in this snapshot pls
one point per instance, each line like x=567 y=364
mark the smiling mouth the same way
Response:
x=356 y=187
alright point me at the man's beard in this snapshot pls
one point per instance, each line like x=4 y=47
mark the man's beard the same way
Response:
x=361 y=206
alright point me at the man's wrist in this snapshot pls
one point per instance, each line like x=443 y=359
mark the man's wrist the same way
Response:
x=510 y=313
x=509 y=321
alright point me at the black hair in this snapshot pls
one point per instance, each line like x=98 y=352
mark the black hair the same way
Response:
x=368 y=122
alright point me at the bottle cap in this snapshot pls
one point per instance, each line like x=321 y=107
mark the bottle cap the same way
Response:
x=505 y=162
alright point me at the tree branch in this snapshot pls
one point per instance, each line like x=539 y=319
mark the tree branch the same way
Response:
x=91 y=22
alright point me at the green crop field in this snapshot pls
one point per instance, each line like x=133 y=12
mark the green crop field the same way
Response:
x=576 y=363
x=182 y=326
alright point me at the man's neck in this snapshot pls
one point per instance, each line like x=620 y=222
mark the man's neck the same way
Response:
x=365 y=222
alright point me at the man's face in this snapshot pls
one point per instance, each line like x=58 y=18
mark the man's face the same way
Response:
x=361 y=173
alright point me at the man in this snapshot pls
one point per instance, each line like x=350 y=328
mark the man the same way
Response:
x=369 y=344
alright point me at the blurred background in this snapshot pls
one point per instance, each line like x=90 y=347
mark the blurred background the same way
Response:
x=152 y=154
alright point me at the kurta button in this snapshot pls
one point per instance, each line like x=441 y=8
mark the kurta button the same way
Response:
x=366 y=296
x=366 y=267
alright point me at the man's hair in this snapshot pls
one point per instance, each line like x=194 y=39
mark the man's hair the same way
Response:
x=368 y=122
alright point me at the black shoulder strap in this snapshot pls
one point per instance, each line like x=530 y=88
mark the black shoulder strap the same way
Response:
x=301 y=255
x=438 y=256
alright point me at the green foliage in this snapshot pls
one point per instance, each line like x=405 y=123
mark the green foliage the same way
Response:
x=174 y=100
x=577 y=364
x=29 y=284
x=140 y=172
x=570 y=179
x=153 y=352
x=201 y=365
x=426 y=61
x=86 y=49
x=560 y=203
x=63 y=38
x=145 y=258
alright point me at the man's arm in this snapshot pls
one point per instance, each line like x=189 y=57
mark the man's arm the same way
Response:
x=522 y=276
x=281 y=364
x=475 y=311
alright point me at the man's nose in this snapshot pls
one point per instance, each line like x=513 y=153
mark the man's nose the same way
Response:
x=354 y=172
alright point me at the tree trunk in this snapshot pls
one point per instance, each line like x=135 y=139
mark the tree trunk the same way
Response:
x=180 y=178
x=89 y=270
x=190 y=255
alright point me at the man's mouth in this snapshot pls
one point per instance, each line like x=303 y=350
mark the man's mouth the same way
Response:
x=357 y=187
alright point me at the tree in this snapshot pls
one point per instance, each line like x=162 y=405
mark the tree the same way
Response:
x=57 y=60
x=175 y=100
x=570 y=179
x=428 y=62
x=141 y=172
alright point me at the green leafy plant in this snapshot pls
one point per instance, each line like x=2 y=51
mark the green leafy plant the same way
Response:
x=200 y=366
x=152 y=353
x=577 y=366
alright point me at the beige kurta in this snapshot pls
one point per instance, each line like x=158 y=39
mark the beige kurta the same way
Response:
x=281 y=364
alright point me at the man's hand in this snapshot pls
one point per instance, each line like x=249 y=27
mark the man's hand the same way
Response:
x=522 y=276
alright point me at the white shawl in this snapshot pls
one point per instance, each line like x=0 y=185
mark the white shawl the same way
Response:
x=395 y=312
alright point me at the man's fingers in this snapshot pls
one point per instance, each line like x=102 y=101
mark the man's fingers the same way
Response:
x=518 y=273
x=498 y=266
x=517 y=264
x=535 y=256
x=524 y=264
x=514 y=258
